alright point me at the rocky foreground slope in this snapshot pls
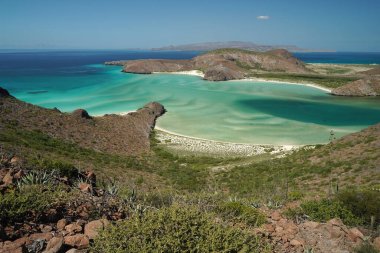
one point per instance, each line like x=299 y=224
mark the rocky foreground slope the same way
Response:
x=110 y=133
x=221 y=64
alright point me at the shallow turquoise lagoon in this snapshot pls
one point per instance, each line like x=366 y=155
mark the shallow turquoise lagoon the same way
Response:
x=234 y=111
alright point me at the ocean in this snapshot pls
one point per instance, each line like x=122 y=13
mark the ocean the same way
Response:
x=235 y=111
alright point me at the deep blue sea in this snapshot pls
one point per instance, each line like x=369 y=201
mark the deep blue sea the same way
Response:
x=341 y=57
x=236 y=111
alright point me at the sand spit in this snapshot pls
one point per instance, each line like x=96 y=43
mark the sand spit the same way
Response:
x=201 y=74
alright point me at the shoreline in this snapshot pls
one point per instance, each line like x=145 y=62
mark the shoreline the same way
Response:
x=188 y=144
x=201 y=74
x=194 y=145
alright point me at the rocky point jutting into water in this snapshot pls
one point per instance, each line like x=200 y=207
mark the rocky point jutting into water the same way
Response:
x=127 y=134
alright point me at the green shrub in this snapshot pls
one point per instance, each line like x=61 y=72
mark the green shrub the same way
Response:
x=295 y=195
x=240 y=212
x=64 y=169
x=175 y=229
x=366 y=248
x=29 y=202
x=325 y=209
x=362 y=203
x=158 y=199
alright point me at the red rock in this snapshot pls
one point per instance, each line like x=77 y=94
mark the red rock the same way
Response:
x=43 y=236
x=46 y=229
x=276 y=216
x=355 y=235
x=79 y=241
x=335 y=232
x=376 y=243
x=15 y=246
x=335 y=222
x=17 y=250
x=8 y=178
x=311 y=224
x=73 y=228
x=279 y=229
x=15 y=160
x=19 y=174
x=92 y=228
x=295 y=243
x=269 y=228
x=85 y=187
x=61 y=224
x=54 y=245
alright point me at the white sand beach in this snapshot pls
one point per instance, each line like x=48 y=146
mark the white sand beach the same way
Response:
x=189 y=144
x=201 y=74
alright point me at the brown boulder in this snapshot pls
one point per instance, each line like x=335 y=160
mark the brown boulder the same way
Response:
x=61 y=224
x=276 y=216
x=295 y=243
x=355 y=235
x=79 y=241
x=8 y=178
x=73 y=228
x=376 y=243
x=85 y=187
x=40 y=236
x=15 y=246
x=81 y=114
x=335 y=222
x=54 y=245
x=92 y=228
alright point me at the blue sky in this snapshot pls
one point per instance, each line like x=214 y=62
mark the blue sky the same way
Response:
x=343 y=25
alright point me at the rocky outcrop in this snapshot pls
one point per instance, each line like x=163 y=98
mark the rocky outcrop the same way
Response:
x=222 y=73
x=4 y=93
x=290 y=236
x=81 y=114
x=128 y=134
x=150 y=66
x=221 y=64
x=368 y=86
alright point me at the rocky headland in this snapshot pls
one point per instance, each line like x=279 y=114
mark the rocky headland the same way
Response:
x=128 y=134
x=221 y=64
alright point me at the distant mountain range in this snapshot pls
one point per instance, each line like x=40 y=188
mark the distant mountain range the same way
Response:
x=206 y=46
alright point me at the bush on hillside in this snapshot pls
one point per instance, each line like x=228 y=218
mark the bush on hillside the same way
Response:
x=362 y=203
x=175 y=229
x=240 y=212
x=325 y=209
x=29 y=202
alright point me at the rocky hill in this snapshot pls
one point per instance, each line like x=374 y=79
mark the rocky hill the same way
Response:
x=368 y=86
x=111 y=133
x=221 y=64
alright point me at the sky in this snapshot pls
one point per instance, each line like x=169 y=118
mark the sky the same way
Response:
x=342 y=25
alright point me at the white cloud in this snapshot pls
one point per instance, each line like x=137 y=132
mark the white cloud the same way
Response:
x=262 y=17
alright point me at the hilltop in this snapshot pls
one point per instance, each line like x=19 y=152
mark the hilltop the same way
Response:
x=221 y=64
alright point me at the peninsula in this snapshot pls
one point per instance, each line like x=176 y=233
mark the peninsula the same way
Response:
x=274 y=65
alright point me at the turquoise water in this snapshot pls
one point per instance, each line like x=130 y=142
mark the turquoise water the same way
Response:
x=235 y=111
